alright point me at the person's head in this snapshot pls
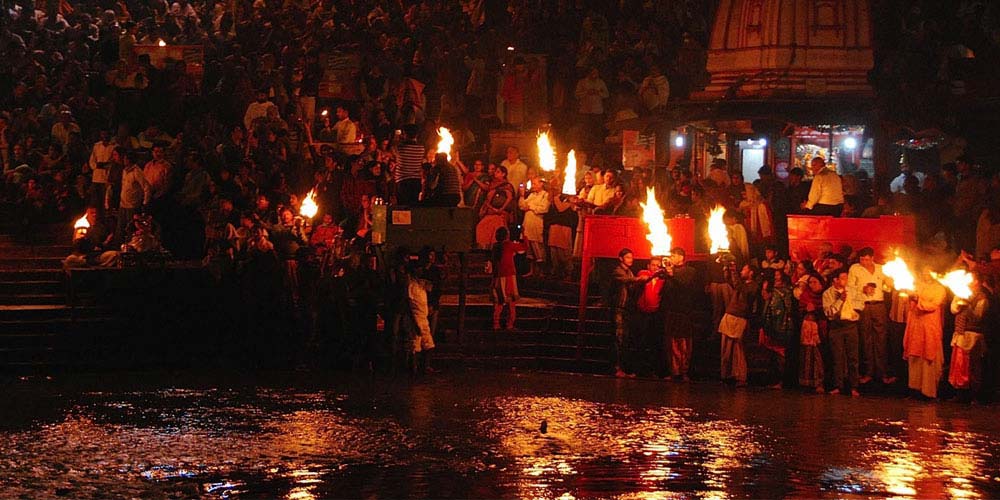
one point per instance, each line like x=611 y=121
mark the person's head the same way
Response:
x=105 y=136
x=512 y=154
x=501 y=173
x=593 y=74
x=840 y=278
x=226 y=205
x=327 y=219
x=779 y=279
x=765 y=173
x=795 y=176
x=478 y=166
x=501 y=234
x=770 y=253
x=866 y=256
x=262 y=96
x=609 y=177
x=816 y=165
x=91 y=215
x=747 y=272
x=287 y=216
x=911 y=184
x=342 y=113
x=263 y=203
x=677 y=256
x=654 y=264
x=625 y=257
x=158 y=153
x=366 y=201
x=963 y=164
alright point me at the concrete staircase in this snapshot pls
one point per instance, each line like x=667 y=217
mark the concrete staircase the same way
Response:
x=546 y=335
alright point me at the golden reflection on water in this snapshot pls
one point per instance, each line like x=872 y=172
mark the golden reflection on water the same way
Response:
x=642 y=451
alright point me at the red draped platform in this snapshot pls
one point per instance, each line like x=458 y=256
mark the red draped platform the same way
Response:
x=806 y=234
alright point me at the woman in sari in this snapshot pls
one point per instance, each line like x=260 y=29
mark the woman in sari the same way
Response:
x=497 y=209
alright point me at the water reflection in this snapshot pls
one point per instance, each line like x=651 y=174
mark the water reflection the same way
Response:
x=481 y=435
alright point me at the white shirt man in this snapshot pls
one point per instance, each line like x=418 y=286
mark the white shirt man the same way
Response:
x=257 y=109
x=826 y=195
x=896 y=186
x=136 y=190
x=517 y=170
x=100 y=154
x=591 y=93
x=346 y=130
x=655 y=90
x=535 y=206
x=858 y=277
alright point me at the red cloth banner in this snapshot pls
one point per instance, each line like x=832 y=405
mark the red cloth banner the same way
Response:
x=807 y=234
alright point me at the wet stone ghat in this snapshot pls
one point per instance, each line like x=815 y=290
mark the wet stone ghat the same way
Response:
x=479 y=434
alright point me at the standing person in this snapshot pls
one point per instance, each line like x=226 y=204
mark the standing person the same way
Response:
x=899 y=311
x=735 y=323
x=562 y=221
x=866 y=281
x=678 y=296
x=968 y=342
x=497 y=210
x=410 y=168
x=814 y=351
x=776 y=324
x=843 y=334
x=444 y=187
x=922 y=342
x=136 y=193
x=423 y=341
x=158 y=172
x=504 y=289
x=517 y=170
x=591 y=92
x=760 y=223
x=623 y=283
x=826 y=194
x=650 y=316
x=535 y=204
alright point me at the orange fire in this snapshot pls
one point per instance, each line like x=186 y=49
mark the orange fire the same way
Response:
x=899 y=271
x=446 y=142
x=309 y=208
x=717 y=231
x=546 y=153
x=569 y=180
x=958 y=281
x=161 y=43
x=652 y=215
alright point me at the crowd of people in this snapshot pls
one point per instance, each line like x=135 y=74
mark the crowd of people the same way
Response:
x=209 y=159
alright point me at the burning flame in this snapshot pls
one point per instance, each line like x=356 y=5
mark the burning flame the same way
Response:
x=717 y=231
x=444 y=145
x=899 y=271
x=161 y=43
x=82 y=223
x=309 y=208
x=546 y=153
x=958 y=281
x=569 y=180
x=652 y=215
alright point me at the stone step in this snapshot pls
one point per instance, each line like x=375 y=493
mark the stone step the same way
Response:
x=521 y=336
x=17 y=263
x=32 y=287
x=32 y=299
x=528 y=363
x=536 y=350
x=59 y=326
x=56 y=251
x=47 y=312
x=18 y=275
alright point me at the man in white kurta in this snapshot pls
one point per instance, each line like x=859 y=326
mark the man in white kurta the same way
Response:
x=535 y=205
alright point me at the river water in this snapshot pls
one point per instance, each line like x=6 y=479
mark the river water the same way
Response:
x=478 y=434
